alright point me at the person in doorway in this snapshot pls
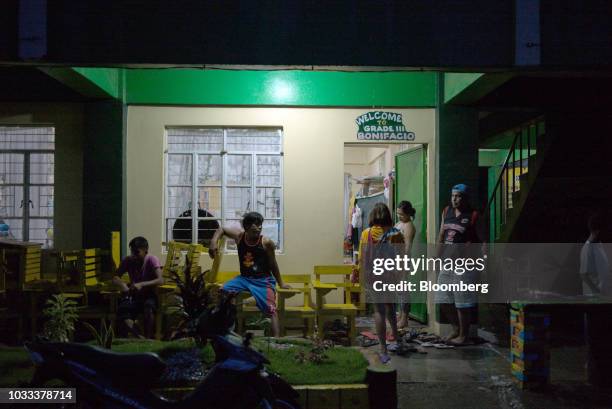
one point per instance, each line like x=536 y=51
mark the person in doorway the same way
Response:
x=596 y=282
x=405 y=214
x=145 y=273
x=457 y=230
x=259 y=271
x=381 y=231
x=594 y=264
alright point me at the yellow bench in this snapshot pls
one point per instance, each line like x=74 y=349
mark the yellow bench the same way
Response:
x=322 y=288
x=176 y=253
x=305 y=312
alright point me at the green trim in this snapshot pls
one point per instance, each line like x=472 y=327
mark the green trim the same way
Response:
x=106 y=79
x=99 y=83
x=494 y=157
x=466 y=89
x=455 y=83
x=280 y=88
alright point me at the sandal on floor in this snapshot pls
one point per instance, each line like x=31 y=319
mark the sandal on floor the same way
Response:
x=384 y=358
x=443 y=346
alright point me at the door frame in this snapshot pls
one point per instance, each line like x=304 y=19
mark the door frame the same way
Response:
x=425 y=220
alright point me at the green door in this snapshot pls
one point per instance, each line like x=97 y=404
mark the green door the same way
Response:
x=410 y=184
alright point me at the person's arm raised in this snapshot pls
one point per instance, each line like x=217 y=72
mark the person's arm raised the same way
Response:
x=231 y=232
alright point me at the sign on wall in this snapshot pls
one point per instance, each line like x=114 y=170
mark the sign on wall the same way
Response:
x=382 y=126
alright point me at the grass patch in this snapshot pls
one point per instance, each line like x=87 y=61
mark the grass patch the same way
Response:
x=344 y=365
x=15 y=366
x=163 y=348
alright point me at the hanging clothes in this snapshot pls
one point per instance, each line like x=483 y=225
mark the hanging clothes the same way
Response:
x=356 y=220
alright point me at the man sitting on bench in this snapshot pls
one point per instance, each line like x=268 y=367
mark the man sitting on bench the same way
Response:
x=258 y=268
x=139 y=298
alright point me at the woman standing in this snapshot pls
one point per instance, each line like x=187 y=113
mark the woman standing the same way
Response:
x=405 y=214
x=381 y=231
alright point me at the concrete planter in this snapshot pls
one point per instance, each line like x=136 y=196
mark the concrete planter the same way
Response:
x=352 y=396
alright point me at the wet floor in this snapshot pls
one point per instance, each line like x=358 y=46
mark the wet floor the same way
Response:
x=476 y=377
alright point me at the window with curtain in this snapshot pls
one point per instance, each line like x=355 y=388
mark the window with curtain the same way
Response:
x=27 y=183
x=229 y=171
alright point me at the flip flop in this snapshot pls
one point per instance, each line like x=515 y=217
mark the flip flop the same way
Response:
x=443 y=346
x=369 y=335
x=366 y=342
x=384 y=358
x=424 y=344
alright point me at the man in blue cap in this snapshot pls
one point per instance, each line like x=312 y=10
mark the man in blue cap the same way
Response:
x=458 y=226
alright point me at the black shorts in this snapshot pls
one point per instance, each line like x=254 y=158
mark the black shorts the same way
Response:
x=131 y=307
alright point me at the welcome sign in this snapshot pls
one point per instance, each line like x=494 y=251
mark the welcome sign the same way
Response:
x=382 y=126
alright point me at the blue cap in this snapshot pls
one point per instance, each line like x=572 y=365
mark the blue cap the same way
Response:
x=461 y=188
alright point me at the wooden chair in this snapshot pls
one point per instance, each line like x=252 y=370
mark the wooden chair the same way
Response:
x=175 y=256
x=346 y=309
x=178 y=255
x=99 y=267
x=304 y=312
x=98 y=281
x=71 y=275
x=23 y=263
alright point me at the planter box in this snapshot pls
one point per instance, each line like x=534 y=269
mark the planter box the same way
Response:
x=353 y=396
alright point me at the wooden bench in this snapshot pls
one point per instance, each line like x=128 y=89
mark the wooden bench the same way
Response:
x=177 y=257
x=301 y=284
x=322 y=288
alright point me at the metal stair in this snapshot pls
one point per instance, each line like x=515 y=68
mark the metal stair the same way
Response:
x=508 y=198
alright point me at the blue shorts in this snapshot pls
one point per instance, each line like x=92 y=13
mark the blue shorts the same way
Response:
x=262 y=289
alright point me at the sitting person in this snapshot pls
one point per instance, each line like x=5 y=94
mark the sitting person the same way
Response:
x=259 y=271
x=139 y=297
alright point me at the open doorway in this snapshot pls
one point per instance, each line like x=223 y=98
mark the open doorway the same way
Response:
x=387 y=173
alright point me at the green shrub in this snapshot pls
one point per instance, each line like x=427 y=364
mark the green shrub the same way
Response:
x=105 y=336
x=61 y=316
x=193 y=299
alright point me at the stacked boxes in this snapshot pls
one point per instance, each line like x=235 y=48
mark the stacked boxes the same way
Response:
x=529 y=352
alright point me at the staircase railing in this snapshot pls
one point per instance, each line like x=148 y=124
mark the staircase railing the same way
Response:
x=500 y=200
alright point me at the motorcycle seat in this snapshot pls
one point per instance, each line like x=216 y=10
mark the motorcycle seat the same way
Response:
x=141 y=370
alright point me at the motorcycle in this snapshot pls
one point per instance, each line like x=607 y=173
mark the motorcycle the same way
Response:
x=106 y=379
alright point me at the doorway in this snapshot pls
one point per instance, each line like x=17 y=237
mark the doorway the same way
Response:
x=387 y=173
x=411 y=185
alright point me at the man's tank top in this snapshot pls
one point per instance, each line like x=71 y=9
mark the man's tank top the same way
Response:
x=253 y=258
x=459 y=229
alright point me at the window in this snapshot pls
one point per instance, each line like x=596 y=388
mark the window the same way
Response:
x=27 y=183
x=230 y=171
